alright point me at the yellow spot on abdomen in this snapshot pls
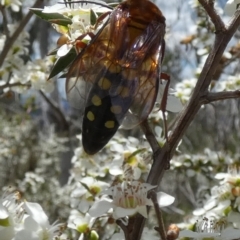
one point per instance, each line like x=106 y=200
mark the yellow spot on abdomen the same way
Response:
x=104 y=83
x=96 y=100
x=115 y=68
x=109 y=124
x=123 y=91
x=90 y=116
x=116 y=109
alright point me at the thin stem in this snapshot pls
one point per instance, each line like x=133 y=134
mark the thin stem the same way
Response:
x=11 y=39
x=187 y=115
x=213 y=97
x=161 y=228
x=201 y=89
x=56 y=109
x=124 y=228
x=5 y=21
x=150 y=136
x=215 y=18
x=17 y=84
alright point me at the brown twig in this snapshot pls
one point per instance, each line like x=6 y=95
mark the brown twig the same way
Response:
x=203 y=83
x=213 y=97
x=160 y=228
x=150 y=136
x=56 y=109
x=11 y=39
x=186 y=116
x=124 y=228
x=5 y=21
x=17 y=84
x=215 y=18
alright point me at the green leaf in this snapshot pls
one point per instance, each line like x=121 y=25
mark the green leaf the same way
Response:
x=136 y=152
x=56 y=18
x=63 y=62
x=93 y=17
x=53 y=52
x=62 y=22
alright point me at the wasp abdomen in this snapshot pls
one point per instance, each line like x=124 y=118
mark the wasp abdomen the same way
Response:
x=107 y=104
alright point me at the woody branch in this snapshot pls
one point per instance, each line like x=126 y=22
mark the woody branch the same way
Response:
x=199 y=96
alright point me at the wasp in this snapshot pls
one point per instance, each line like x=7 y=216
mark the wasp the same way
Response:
x=115 y=78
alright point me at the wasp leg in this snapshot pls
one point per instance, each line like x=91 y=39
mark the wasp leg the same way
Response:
x=79 y=44
x=163 y=106
x=101 y=18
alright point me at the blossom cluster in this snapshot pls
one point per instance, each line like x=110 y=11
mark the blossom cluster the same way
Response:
x=124 y=161
x=15 y=73
x=221 y=211
x=25 y=220
x=14 y=4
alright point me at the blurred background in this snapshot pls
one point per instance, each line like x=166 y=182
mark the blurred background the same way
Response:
x=38 y=129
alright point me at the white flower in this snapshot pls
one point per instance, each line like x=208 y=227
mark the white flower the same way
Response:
x=197 y=235
x=193 y=3
x=129 y=198
x=232 y=6
x=226 y=234
x=219 y=201
x=24 y=220
x=36 y=225
x=118 y=236
x=82 y=195
x=80 y=15
x=14 y=4
x=184 y=89
x=130 y=157
x=64 y=49
x=231 y=83
x=11 y=214
x=82 y=223
x=232 y=176
x=76 y=9
x=205 y=228
x=40 y=82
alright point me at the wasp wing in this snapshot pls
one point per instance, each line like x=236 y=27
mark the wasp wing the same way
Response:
x=116 y=73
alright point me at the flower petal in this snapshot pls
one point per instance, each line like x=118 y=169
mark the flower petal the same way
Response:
x=221 y=175
x=63 y=50
x=123 y=212
x=187 y=233
x=26 y=234
x=30 y=223
x=118 y=236
x=3 y=212
x=100 y=207
x=37 y=213
x=143 y=211
x=230 y=233
x=233 y=217
x=164 y=199
x=231 y=7
x=174 y=104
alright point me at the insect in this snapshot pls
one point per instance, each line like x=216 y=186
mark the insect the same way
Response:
x=116 y=76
